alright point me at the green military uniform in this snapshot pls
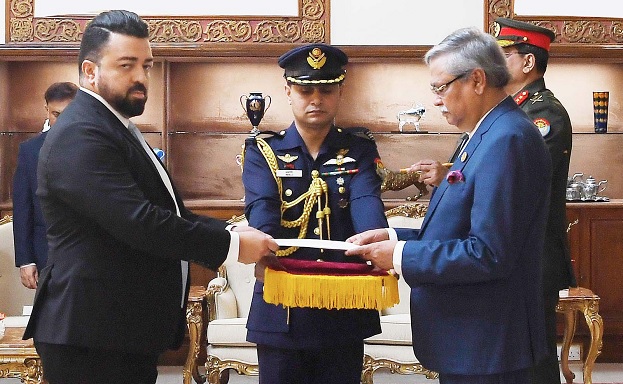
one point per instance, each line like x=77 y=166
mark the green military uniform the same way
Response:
x=549 y=115
x=551 y=118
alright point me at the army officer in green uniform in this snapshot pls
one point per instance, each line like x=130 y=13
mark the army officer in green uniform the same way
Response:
x=526 y=47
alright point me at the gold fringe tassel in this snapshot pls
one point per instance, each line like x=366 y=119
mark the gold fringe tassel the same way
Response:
x=330 y=292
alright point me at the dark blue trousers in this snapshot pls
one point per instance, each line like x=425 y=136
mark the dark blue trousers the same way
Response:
x=522 y=376
x=338 y=365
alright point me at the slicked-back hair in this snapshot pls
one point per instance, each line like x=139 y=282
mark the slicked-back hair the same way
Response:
x=65 y=90
x=467 y=49
x=97 y=32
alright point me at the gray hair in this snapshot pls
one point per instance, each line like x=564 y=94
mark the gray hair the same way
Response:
x=468 y=49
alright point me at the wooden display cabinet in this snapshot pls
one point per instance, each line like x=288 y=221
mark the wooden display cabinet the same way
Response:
x=597 y=254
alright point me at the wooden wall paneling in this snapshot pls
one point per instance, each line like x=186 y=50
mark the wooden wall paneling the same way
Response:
x=600 y=156
x=153 y=118
x=574 y=233
x=9 y=144
x=204 y=166
x=4 y=94
x=606 y=255
x=206 y=95
x=27 y=85
x=597 y=249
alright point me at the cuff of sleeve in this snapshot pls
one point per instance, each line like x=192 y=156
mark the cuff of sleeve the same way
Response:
x=392 y=233
x=397 y=256
x=234 y=245
x=230 y=227
x=27 y=265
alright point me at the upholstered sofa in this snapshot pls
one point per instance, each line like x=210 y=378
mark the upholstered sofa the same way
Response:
x=229 y=298
x=228 y=302
x=13 y=295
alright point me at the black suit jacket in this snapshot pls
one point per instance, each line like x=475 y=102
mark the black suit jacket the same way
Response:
x=113 y=278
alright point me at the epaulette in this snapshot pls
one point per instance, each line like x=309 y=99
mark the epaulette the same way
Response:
x=360 y=132
x=521 y=97
x=264 y=135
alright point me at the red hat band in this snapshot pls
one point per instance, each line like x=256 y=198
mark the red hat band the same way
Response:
x=530 y=37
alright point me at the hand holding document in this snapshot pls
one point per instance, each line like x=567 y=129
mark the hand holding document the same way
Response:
x=316 y=243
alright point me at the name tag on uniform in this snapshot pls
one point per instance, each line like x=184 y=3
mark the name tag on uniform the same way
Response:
x=289 y=173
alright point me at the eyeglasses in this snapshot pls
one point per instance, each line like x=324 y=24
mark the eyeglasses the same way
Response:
x=442 y=88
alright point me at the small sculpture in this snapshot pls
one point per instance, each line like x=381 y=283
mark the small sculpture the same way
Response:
x=399 y=180
x=411 y=116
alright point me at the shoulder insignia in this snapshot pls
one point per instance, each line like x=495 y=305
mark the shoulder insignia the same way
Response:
x=521 y=97
x=360 y=132
x=537 y=97
x=543 y=125
x=263 y=135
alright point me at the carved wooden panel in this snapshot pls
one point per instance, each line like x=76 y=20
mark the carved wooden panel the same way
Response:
x=312 y=25
x=569 y=30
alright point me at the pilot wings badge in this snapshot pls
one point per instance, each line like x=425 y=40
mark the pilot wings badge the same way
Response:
x=287 y=158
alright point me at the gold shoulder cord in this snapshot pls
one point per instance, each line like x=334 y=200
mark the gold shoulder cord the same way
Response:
x=317 y=189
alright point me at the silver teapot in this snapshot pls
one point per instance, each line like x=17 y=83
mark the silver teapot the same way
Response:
x=575 y=187
x=592 y=188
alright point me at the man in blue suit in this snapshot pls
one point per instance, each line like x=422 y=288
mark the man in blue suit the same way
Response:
x=31 y=246
x=474 y=266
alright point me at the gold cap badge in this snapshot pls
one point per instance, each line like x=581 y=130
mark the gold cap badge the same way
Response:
x=316 y=58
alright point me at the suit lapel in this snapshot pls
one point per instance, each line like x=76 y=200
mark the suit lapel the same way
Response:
x=112 y=121
x=504 y=106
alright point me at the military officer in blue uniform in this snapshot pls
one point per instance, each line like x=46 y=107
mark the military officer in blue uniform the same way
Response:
x=312 y=180
x=526 y=47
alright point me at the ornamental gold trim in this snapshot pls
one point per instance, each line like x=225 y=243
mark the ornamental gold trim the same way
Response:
x=311 y=26
x=57 y=30
x=228 y=31
x=215 y=367
x=371 y=365
x=28 y=370
x=412 y=210
x=174 y=31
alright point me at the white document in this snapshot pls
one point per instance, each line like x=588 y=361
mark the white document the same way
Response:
x=316 y=243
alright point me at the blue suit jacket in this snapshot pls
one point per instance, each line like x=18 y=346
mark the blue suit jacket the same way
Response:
x=474 y=267
x=31 y=245
x=355 y=207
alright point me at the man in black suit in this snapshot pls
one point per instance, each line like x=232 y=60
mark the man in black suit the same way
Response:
x=113 y=294
x=31 y=246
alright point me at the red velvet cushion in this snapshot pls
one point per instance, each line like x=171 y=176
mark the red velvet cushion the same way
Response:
x=312 y=267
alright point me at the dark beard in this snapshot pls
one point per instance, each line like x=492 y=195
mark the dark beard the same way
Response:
x=130 y=108
x=125 y=105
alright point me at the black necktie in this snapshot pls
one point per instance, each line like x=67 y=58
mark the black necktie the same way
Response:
x=460 y=144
